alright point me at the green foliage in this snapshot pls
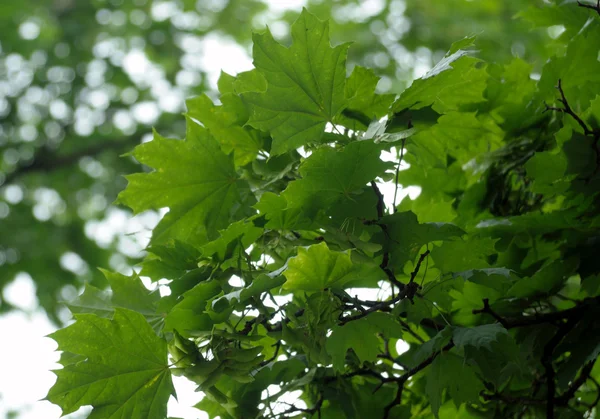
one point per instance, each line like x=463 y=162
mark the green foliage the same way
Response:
x=362 y=337
x=196 y=199
x=78 y=93
x=305 y=84
x=490 y=276
x=124 y=371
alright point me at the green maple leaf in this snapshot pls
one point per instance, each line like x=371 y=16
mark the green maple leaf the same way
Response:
x=578 y=69
x=225 y=123
x=305 y=84
x=548 y=279
x=361 y=336
x=275 y=209
x=249 y=81
x=461 y=255
x=189 y=314
x=316 y=268
x=449 y=371
x=360 y=91
x=262 y=283
x=169 y=261
x=456 y=80
x=405 y=236
x=241 y=232
x=328 y=175
x=478 y=336
x=469 y=298
x=193 y=178
x=123 y=371
x=461 y=135
x=547 y=170
x=125 y=292
x=364 y=105
x=433 y=345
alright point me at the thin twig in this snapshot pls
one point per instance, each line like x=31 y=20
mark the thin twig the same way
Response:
x=398 y=173
x=563 y=400
x=567 y=109
x=551 y=318
x=422 y=257
x=408 y=291
x=386 y=256
x=588 y=132
x=404 y=378
x=268 y=361
x=311 y=411
x=412 y=332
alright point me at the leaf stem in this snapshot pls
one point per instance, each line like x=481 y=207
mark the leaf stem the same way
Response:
x=398 y=174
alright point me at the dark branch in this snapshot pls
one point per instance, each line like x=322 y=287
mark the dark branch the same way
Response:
x=595 y=133
x=386 y=256
x=536 y=319
x=511 y=400
x=397 y=400
x=415 y=272
x=567 y=109
x=268 y=361
x=310 y=411
x=408 y=291
x=380 y=203
x=264 y=320
x=404 y=378
x=590 y=6
x=563 y=400
x=400 y=381
x=398 y=169
x=547 y=358
x=381 y=306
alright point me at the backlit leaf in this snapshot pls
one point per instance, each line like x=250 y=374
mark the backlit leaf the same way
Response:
x=305 y=84
x=199 y=200
x=124 y=373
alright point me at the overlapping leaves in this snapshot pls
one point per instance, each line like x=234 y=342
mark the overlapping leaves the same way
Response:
x=263 y=252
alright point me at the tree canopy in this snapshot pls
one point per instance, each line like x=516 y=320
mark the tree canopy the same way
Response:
x=291 y=276
x=82 y=82
x=280 y=221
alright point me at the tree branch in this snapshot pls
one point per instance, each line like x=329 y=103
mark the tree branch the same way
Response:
x=511 y=400
x=404 y=378
x=386 y=256
x=408 y=291
x=567 y=109
x=590 y=6
x=277 y=346
x=311 y=411
x=510 y=323
x=398 y=169
x=563 y=400
x=547 y=362
x=588 y=132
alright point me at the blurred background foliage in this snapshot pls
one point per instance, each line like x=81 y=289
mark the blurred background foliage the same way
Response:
x=83 y=82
